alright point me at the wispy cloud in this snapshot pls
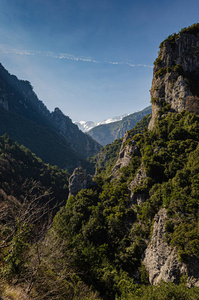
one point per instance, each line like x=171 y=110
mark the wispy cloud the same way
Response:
x=70 y=57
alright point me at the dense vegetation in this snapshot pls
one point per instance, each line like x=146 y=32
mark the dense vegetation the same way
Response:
x=31 y=193
x=18 y=165
x=94 y=249
x=106 y=235
x=107 y=133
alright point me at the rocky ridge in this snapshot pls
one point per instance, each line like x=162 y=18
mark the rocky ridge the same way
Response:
x=51 y=136
x=76 y=137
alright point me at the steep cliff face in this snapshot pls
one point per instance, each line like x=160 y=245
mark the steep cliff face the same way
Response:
x=176 y=73
x=161 y=260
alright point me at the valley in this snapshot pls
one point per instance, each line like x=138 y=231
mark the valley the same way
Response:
x=129 y=230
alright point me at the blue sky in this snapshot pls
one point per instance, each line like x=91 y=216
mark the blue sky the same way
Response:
x=91 y=58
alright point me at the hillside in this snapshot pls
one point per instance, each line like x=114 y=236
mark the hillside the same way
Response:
x=20 y=168
x=152 y=191
x=45 y=143
x=101 y=238
x=107 y=133
x=31 y=192
x=139 y=224
x=51 y=136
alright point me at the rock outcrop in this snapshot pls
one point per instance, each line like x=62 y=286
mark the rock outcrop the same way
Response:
x=161 y=260
x=79 y=180
x=138 y=198
x=125 y=154
x=129 y=149
x=176 y=73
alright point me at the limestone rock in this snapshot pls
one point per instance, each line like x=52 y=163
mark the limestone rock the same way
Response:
x=176 y=74
x=161 y=260
x=125 y=154
x=138 y=181
x=79 y=180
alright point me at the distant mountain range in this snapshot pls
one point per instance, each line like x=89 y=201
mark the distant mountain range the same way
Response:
x=85 y=126
x=51 y=136
x=107 y=132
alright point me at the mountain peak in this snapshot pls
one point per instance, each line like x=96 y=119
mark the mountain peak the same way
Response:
x=57 y=110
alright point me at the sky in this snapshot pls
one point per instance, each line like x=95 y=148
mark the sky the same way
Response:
x=91 y=58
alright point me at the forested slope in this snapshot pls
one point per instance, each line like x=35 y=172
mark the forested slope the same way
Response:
x=107 y=231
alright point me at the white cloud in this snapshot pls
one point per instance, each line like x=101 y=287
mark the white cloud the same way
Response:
x=69 y=57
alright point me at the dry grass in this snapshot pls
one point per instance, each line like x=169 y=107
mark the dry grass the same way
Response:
x=11 y=292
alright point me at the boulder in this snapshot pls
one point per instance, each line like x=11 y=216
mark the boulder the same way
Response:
x=79 y=180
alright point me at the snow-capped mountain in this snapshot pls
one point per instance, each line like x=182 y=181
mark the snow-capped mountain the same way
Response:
x=85 y=126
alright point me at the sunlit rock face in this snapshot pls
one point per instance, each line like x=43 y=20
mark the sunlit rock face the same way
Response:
x=176 y=73
x=161 y=260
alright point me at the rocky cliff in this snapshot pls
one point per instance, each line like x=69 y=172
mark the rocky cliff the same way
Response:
x=161 y=260
x=157 y=186
x=128 y=150
x=176 y=73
